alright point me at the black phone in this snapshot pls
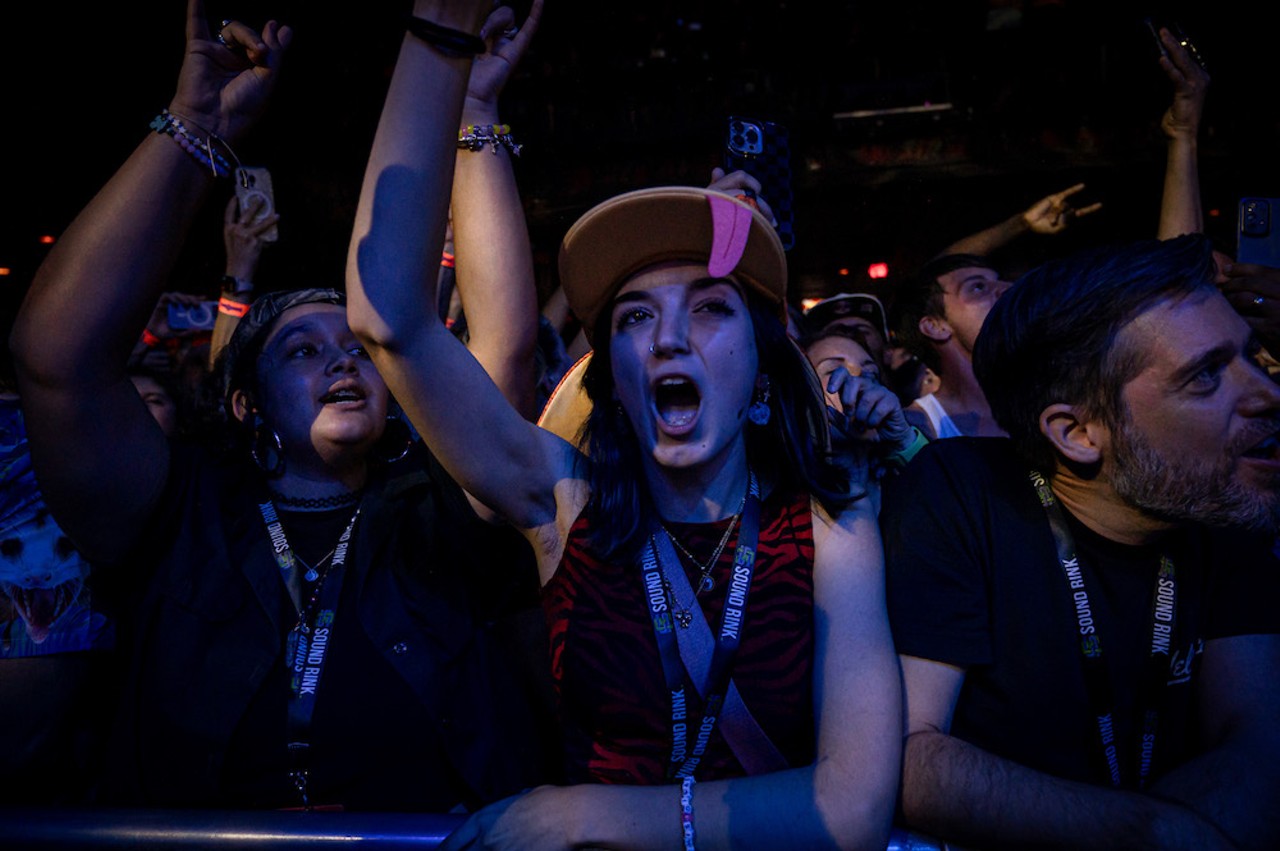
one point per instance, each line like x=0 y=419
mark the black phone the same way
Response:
x=763 y=150
x=1258 y=231
x=1154 y=25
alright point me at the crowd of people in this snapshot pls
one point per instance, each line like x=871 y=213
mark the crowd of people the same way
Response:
x=663 y=562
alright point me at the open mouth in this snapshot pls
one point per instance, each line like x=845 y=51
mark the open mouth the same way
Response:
x=41 y=607
x=1265 y=450
x=677 y=400
x=342 y=393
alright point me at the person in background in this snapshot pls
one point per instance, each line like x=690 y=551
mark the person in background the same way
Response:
x=839 y=347
x=862 y=312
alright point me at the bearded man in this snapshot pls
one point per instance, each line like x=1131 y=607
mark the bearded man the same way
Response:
x=1086 y=612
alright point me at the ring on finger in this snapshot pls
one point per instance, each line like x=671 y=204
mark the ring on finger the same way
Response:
x=1259 y=301
x=226 y=22
x=510 y=32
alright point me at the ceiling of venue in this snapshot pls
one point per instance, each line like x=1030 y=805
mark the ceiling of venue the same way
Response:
x=912 y=123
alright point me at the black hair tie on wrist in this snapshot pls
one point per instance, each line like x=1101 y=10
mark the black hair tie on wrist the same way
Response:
x=446 y=39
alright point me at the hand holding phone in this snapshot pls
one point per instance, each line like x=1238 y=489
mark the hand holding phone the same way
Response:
x=253 y=183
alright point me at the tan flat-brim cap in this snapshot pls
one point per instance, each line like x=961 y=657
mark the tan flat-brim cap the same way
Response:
x=626 y=234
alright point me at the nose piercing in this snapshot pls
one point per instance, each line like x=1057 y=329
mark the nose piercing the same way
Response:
x=651 y=348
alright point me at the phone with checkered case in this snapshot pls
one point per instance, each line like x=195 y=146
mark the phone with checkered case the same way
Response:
x=763 y=150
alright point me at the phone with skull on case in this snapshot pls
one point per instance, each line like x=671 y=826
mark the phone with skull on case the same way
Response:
x=763 y=150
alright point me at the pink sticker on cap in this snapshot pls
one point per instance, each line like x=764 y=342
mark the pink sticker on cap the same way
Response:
x=730 y=226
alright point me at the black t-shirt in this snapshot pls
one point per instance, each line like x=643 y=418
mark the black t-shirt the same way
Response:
x=974 y=581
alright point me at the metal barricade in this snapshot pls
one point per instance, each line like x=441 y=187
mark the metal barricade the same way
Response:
x=90 y=828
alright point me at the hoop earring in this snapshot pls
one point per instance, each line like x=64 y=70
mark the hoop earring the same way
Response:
x=267 y=454
x=396 y=440
x=759 y=412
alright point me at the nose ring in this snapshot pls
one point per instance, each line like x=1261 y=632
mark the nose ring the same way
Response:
x=651 y=348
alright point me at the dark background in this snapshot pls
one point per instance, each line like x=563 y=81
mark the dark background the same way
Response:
x=613 y=97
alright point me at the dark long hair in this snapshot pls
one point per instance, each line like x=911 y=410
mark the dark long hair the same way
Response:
x=792 y=449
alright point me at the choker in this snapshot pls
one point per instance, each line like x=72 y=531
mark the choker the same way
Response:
x=338 y=500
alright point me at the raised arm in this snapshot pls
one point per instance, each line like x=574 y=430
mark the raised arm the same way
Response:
x=100 y=456
x=493 y=451
x=491 y=240
x=1180 y=208
x=1050 y=215
x=958 y=792
x=244 y=239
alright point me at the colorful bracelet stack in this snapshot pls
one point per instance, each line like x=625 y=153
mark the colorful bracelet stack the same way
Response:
x=474 y=137
x=166 y=123
x=686 y=812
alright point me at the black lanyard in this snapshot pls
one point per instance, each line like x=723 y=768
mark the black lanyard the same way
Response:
x=1163 y=622
x=658 y=550
x=307 y=645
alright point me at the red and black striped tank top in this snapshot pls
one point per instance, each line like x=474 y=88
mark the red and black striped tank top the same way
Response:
x=614 y=703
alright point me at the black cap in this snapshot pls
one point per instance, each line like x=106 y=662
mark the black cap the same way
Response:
x=863 y=305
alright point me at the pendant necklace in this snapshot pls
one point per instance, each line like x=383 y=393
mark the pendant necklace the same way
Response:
x=684 y=617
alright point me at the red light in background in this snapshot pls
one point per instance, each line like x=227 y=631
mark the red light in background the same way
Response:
x=1214 y=213
x=844 y=273
x=878 y=270
x=806 y=303
x=46 y=240
x=5 y=270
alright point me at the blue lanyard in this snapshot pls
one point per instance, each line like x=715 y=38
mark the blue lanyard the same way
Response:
x=658 y=555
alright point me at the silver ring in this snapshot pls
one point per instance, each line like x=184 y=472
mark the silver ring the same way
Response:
x=1257 y=302
x=510 y=32
x=225 y=23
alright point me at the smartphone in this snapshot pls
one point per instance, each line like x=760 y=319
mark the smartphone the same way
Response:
x=255 y=182
x=1154 y=25
x=1258 y=232
x=193 y=317
x=763 y=150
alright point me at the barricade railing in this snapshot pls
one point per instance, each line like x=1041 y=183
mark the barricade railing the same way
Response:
x=90 y=828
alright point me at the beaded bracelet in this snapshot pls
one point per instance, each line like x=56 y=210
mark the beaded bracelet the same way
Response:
x=166 y=123
x=686 y=812
x=474 y=137
x=447 y=40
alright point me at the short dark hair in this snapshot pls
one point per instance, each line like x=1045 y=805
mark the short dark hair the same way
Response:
x=793 y=448
x=1052 y=337
x=920 y=295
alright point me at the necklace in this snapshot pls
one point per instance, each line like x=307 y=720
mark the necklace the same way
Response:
x=705 y=582
x=338 y=500
x=313 y=571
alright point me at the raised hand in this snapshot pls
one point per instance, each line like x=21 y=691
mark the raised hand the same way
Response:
x=1053 y=213
x=1190 y=85
x=742 y=186
x=224 y=84
x=507 y=44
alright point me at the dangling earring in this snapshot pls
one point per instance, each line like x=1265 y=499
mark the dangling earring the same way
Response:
x=267 y=449
x=759 y=411
x=396 y=440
